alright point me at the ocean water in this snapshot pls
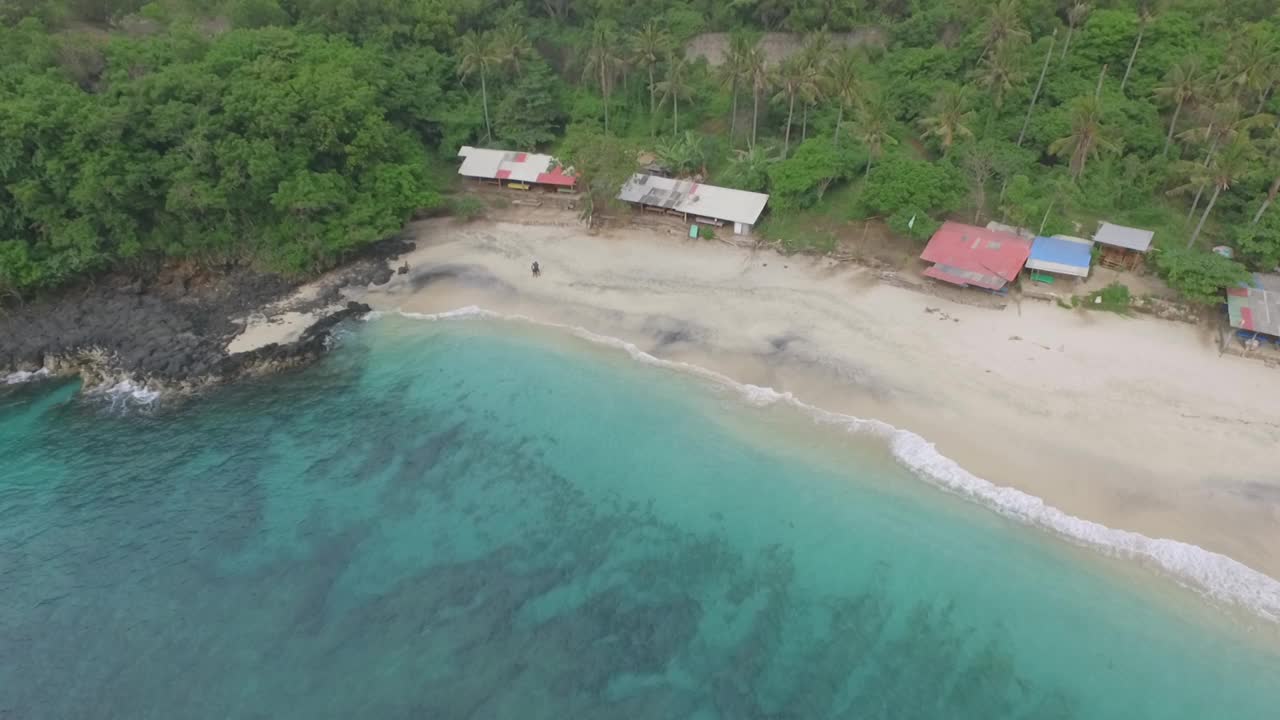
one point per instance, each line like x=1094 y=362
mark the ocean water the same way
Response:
x=473 y=518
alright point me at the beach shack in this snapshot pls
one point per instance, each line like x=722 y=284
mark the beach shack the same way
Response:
x=1253 y=309
x=516 y=170
x=697 y=202
x=967 y=255
x=1123 y=248
x=1059 y=256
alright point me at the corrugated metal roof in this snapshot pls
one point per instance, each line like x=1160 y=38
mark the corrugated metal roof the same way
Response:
x=1256 y=309
x=517 y=166
x=956 y=276
x=684 y=196
x=1062 y=255
x=961 y=250
x=1124 y=237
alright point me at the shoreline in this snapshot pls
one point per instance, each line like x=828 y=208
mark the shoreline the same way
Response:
x=904 y=359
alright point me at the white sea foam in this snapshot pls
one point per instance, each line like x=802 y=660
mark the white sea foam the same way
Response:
x=1212 y=574
x=23 y=376
x=127 y=395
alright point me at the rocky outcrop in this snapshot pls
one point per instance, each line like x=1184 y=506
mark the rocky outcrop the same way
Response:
x=171 y=332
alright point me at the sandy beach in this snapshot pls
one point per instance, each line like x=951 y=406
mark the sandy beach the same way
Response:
x=1133 y=422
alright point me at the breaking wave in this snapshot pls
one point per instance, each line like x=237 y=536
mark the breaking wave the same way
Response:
x=23 y=376
x=1212 y=574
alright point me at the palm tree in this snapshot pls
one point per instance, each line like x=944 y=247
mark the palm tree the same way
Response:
x=873 y=124
x=675 y=86
x=733 y=72
x=1182 y=84
x=1004 y=25
x=841 y=79
x=1088 y=135
x=1225 y=168
x=476 y=55
x=815 y=48
x=796 y=78
x=1226 y=123
x=950 y=118
x=757 y=73
x=602 y=63
x=1250 y=66
x=684 y=154
x=648 y=46
x=1144 y=19
x=512 y=43
x=1266 y=202
x=1075 y=17
x=998 y=73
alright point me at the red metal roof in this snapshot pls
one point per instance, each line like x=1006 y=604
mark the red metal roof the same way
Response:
x=521 y=157
x=557 y=177
x=976 y=250
x=503 y=174
x=989 y=282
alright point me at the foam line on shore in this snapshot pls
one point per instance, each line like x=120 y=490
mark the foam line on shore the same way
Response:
x=25 y=376
x=1212 y=574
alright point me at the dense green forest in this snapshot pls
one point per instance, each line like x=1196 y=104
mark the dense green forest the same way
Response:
x=288 y=133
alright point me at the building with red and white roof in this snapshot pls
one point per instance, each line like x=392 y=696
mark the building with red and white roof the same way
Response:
x=969 y=255
x=515 y=169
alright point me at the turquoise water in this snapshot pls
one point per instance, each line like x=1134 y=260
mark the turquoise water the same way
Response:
x=469 y=519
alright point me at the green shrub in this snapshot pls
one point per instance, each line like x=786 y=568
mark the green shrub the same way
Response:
x=1200 y=276
x=1113 y=298
x=466 y=208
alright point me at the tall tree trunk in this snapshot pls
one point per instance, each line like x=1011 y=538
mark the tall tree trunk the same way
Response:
x=1262 y=101
x=675 y=116
x=1173 y=123
x=1070 y=31
x=839 y=122
x=1142 y=28
x=1207 y=209
x=870 y=159
x=653 y=103
x=1039 y=84
x=1097 y=93
x=755 y=113
x=1271 y=195
x=484 y=98
x=1045 y=220
x=604 y=91
x=791 y=112
x=733 y=114
x=804 y=124
x=1208 y=158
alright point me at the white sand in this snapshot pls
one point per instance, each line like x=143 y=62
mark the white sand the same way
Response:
x=1136 y=423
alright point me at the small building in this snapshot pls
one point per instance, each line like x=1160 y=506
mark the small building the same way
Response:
x=697 y=202
x=1123 y=248
x=969 y=255
x=1059 y=255
x=1255 y=308
x=518 y=170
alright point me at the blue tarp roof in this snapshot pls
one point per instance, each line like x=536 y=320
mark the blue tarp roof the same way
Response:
x=1057 y=254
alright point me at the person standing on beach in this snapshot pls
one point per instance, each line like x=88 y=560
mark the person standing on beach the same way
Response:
x=536 y=270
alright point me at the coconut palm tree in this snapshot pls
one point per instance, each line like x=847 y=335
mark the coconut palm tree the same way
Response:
x=950 y=118
x=998 y=73
x=1226 y=123
x=650 y=44
x=1182 y=84
x=1144 y=19
x=1004 y=25
x=1266 y=201
x=757 y=73
x=734 y=72
x=477 y=54
x=1088 y=135
x=1221 y=173
x=841 y=79
x=795 y=79
x=1250 y=67
x=811 y=56
x=513 y=45
x=1076 y=16
x=675 y=86
x=603 y=62
x=872 y=127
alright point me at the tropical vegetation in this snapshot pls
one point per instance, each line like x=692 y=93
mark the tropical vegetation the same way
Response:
x=288 y=134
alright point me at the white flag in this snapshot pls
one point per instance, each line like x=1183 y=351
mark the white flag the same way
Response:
x=912 y=222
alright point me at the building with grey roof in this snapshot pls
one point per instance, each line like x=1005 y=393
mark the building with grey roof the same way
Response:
x=695 y=201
